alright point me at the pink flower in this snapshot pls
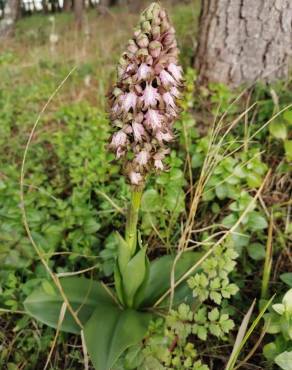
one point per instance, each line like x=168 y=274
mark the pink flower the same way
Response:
x=150 y=96
x=158 y=164
x=153 y=119
x=129 y=100
x=176 y=71
x=119 y=139
x=166 y=78
x=168 y=98
x=115 y=109
x=120 y=152
x=143 y=71
x=175 y=92
x=131 y=68
x=172 y=112
x=135 y=177
x=142 y=158
x=161 y=136
x=138 y=131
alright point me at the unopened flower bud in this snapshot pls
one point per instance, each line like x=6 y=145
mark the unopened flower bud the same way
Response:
x=142 y=53
x=142 y=41
x=146 y=26
x=156 y=32
x=155 y=48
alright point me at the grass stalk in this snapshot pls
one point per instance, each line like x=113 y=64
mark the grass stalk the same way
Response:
x=268 y=261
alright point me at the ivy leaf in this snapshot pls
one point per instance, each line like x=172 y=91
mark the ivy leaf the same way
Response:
x=254 y=180
x=256 y=251
x=256 y=221
x=221 y=191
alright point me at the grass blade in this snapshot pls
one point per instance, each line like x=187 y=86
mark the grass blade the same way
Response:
x=242 y=338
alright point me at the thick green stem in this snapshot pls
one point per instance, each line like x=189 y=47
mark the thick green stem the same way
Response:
x=132 y=220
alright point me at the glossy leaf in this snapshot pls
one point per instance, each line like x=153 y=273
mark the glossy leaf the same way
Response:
x=159 y=276
x=110 y=331
x=83 y=295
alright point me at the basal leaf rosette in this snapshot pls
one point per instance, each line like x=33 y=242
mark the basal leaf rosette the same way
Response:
x=143 y=102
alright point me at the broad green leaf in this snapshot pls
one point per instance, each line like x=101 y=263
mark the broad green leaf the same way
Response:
x=160 y=272
x=83 y=295
x=287 y=278
x=139 y=296
x=133 y=276
x=284 y=360
x=278 y=129
x=124 y=252
x=118 y=284
x=110 y=331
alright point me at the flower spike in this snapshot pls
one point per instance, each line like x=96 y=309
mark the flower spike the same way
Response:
x=144 y=98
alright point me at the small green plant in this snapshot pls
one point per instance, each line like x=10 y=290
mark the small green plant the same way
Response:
x=279 y=323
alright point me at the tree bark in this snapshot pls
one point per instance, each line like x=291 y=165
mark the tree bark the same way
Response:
x=67 y=5
x=78 y=13
x=11 y=14
x=242 y=41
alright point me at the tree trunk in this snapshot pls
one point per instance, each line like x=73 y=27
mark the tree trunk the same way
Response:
x=67 y=5
x=242 y=41
x=11 y=14
x=78 y=13
x=103 y=6
x=45 y=6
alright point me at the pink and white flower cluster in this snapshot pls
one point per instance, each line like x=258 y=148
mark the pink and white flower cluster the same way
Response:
x=144 y=100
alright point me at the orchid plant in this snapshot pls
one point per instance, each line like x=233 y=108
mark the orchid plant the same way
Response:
x=143 y=108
